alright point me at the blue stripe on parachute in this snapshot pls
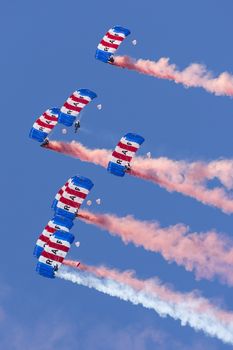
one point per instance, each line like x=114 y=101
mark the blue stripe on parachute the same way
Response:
x=38 y=135
x=87 y=92
x=66 y=119
x=119 y=29
x=134 y=138
x=37 y=251
x=116 y=169
x=64 y=213
x=65 y=236
x=54 y=204
x=103 y=55
x=59 y=220
x=55 y=110
x=47 y=270
x=82 y=181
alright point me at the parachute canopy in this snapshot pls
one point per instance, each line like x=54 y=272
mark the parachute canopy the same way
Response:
x=123 y=154
x=44 y=124
x=54 y=253
x=74 y=105
x=73 y=196
x=57 y=223
x=110 y=43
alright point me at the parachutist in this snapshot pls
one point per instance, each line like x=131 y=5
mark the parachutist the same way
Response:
x=128 y=167
x=77 y=126
x=111 y=59
x=45 y=143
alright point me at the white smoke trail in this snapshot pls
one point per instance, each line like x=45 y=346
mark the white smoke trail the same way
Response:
x=185 y=310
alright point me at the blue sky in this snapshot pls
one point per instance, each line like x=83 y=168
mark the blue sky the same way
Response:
x=48 y=52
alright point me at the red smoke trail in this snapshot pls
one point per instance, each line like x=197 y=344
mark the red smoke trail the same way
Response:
x=194 y=75
x=208 y=254
x=180 y=176
x=190 y=308
x=77 y=150
x=216 y=197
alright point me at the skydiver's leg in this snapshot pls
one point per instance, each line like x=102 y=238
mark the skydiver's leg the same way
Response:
x=45 y=143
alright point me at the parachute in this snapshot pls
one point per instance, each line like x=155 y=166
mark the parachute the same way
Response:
x=110 y=43
x=74 y=105
x=44 y=124
x=123 y=154
x=73 y=196
x=54 y=253
x=57 y=223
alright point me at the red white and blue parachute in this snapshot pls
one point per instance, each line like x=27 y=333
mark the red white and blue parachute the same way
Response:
x=54 y=253
x=110 y=43
x=123 y=154
x=73 y=196
x=44 y=124
x=74 y=105
x=57 y=223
